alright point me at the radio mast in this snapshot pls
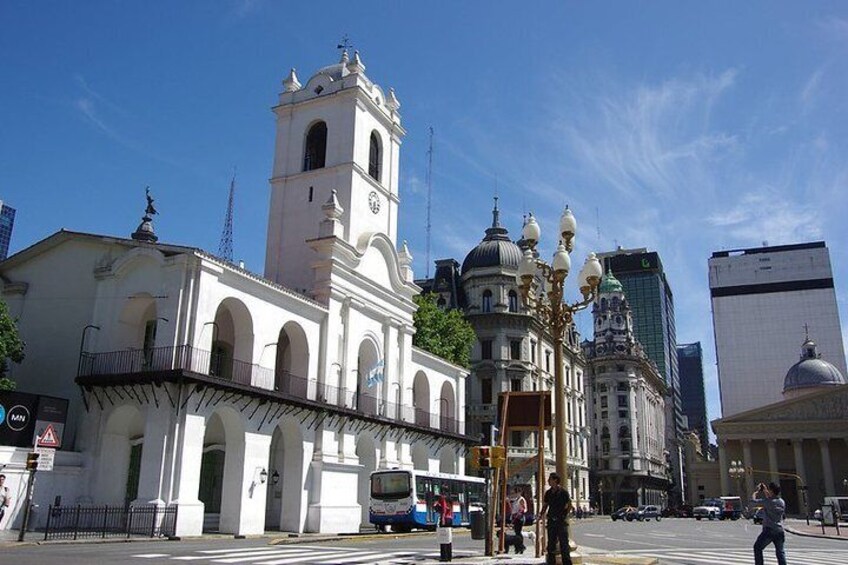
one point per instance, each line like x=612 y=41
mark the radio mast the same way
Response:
x=429 y=199
x=225 y=248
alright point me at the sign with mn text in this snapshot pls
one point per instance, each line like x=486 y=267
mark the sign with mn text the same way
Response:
x=24 y=417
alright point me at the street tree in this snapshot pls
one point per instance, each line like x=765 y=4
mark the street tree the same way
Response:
x=11 y=346
x=442 y=332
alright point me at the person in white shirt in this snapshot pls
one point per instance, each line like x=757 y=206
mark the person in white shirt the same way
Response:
x=5 y=497
x=518 y=510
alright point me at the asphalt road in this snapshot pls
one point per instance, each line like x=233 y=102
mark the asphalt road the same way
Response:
x=673 y=541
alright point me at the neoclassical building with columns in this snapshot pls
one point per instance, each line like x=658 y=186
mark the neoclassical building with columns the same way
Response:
x=250 y=402
x=799 y=442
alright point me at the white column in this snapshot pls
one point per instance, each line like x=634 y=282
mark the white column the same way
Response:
x=746 y=460
x=798 y=448
x=772 y=458
x=723 y=466
x=189 y=453
x=249 y=517
x=827 y=466
x=152 y=473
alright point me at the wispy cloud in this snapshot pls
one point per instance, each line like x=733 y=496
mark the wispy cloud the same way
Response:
x=769 y=215
x=811 y=89
x=835 y=27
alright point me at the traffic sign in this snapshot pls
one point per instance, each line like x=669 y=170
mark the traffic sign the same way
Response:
x=48 y=438
x=46 y=455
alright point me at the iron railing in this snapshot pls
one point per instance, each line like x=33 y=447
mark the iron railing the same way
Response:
x=85 y=522
x=223 y=367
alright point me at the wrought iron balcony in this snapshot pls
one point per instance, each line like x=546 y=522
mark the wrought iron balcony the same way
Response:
x=226 y=369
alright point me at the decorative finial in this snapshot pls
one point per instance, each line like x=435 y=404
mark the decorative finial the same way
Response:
x=144 y=231
x=332 y=209
x=345 y=44
x=290 y=83
x=356 y=65
x=392 y=103
x=345 y=59
x=806 y=332
x=496 y=215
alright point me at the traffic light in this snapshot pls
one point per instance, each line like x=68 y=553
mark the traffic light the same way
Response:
x=498 y=456
x=32 y=461
x=484 y=457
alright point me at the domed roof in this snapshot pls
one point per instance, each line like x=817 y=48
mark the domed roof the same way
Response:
x=811 y=371
x=610 y=284
x=496 y=249
x=335 y=72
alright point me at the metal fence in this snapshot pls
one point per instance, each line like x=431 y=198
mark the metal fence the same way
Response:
x=85 y=522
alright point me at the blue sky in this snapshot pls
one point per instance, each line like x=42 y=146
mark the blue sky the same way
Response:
x=685 y=127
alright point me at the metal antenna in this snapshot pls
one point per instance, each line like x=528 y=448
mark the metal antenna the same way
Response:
x=225 y=248
x=429 y=198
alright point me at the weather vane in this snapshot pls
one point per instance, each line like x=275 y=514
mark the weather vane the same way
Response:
x=345 y=44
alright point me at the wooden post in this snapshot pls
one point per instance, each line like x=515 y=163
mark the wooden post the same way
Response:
x=540 y=479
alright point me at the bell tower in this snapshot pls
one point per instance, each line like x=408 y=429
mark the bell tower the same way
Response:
x=338 y=132
x=613 y=319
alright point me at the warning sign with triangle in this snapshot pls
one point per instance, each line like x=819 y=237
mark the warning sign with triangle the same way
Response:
x=48 y=438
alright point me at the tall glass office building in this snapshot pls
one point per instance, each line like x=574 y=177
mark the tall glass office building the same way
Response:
x=7 y=222
x=652 y=303
x=691 y=364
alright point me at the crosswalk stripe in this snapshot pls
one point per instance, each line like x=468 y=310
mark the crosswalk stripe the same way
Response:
x=374 y=556
x=151 y=555
x=745 y=557
x=258 y=556
x=334 y=554
x=232 y=549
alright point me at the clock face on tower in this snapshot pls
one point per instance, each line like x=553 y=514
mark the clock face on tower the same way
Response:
x=374 y=202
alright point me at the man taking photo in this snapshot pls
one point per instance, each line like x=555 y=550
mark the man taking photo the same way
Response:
x=774 y=509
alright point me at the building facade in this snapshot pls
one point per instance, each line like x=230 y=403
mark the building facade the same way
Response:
x=649 y=293
x=692 y=394
x=627 y=411
x=513 y=353
x=761 y=298
x=800 y=442
x=246 y=403
x=7 y=224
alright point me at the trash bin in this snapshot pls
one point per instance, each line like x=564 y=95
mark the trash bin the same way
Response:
x=478 y=524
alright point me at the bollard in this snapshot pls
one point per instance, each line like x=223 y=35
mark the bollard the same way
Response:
x=445 y=537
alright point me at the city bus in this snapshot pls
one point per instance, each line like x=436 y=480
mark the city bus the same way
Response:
x=405 y=499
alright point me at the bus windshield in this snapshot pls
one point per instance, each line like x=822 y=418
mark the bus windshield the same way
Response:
x=390 y=485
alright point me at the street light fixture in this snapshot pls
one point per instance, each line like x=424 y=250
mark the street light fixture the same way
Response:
x=737 y=471
x=550 y=309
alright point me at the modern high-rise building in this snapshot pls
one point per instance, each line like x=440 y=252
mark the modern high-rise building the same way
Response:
x=764 y=301
x=7 y=222
x=641 y=273
x=691 y=366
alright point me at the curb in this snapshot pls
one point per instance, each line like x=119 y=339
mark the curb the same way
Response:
x=812 y=535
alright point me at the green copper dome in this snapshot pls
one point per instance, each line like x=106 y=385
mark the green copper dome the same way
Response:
x=610 y=284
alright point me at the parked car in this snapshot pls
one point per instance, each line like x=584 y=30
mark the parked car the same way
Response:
x=711 y=509
x=624 y=513
x=682 y=511
x=647 y=512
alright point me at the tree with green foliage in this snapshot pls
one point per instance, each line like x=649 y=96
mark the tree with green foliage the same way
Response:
x=11 y=346
x=442 y=332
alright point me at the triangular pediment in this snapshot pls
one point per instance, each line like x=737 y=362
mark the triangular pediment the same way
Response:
x=825 y=405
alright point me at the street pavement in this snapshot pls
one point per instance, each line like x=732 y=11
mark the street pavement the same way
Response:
x=691 y=542
x=670 y=541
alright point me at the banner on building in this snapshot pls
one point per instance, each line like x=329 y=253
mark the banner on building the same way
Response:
x=25 y=417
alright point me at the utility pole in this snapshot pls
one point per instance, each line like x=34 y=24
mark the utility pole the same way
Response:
x=429 y=198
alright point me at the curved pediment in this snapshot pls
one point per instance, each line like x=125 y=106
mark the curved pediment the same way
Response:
x=377 y=260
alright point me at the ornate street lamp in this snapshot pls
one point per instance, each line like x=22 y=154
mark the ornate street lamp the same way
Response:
x=737 y=471
x=551 y=310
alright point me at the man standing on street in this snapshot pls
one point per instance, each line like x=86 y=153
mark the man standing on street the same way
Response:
x=774 y=509
x=559 y=504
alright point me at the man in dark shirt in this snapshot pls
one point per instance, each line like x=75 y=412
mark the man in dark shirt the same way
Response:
x=556 y=507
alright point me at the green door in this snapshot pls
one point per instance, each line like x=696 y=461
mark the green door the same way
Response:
x=211 y=480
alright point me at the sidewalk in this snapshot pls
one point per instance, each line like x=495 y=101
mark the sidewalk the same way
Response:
x=814 y=530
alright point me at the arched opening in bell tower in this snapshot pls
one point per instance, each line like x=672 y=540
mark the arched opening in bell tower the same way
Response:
x=315 y=153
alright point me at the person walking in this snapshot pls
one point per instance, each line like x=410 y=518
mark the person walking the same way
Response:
x=774 y=509
x=556 y=507
x=518 y=510
x=5 y=497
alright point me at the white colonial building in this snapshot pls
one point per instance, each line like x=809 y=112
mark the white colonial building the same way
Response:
x=627 y=411
x=249 y=402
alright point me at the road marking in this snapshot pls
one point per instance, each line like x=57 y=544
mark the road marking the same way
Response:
x=258 y=556
x=151 y=555
x=300 y=559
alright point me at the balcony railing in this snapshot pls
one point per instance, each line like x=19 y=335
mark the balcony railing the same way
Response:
x=224 y=368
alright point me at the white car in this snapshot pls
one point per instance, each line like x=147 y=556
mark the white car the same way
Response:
x=710 y=509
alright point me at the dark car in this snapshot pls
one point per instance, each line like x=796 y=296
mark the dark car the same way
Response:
x=624 y=513
x=647 y=512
